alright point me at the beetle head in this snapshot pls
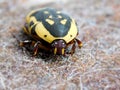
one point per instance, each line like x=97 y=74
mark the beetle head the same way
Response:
x=59 y=46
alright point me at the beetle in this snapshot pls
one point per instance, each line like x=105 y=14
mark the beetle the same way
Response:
x=52 y=31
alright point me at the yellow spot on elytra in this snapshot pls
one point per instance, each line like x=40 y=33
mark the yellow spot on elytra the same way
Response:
x=63 y=21
x=51 y=22
x=59 y=16
x=46 y=12
x=50 y=16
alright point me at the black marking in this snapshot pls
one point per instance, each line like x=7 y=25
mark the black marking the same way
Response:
x=45 y=35
x=57 y=29
x=31 y=23
x=70 y=35
x=33 y=30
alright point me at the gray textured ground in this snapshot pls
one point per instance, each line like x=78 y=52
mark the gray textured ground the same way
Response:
x=96 y=66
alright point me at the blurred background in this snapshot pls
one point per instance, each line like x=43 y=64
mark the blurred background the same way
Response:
x=96 y=66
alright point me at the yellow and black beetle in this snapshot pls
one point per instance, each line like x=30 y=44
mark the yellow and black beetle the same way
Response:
x=51 y=30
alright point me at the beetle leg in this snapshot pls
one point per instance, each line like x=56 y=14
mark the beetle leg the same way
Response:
x=36 y=46
x=25 y=28
x=79 y=43
x=73 y=43
x=23 y=43
x=73 y=48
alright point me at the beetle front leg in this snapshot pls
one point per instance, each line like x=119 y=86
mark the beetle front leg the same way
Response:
x=23 y=43
x=79 y=43
x=36 y=46
x=25 y=28
x=73 y=48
